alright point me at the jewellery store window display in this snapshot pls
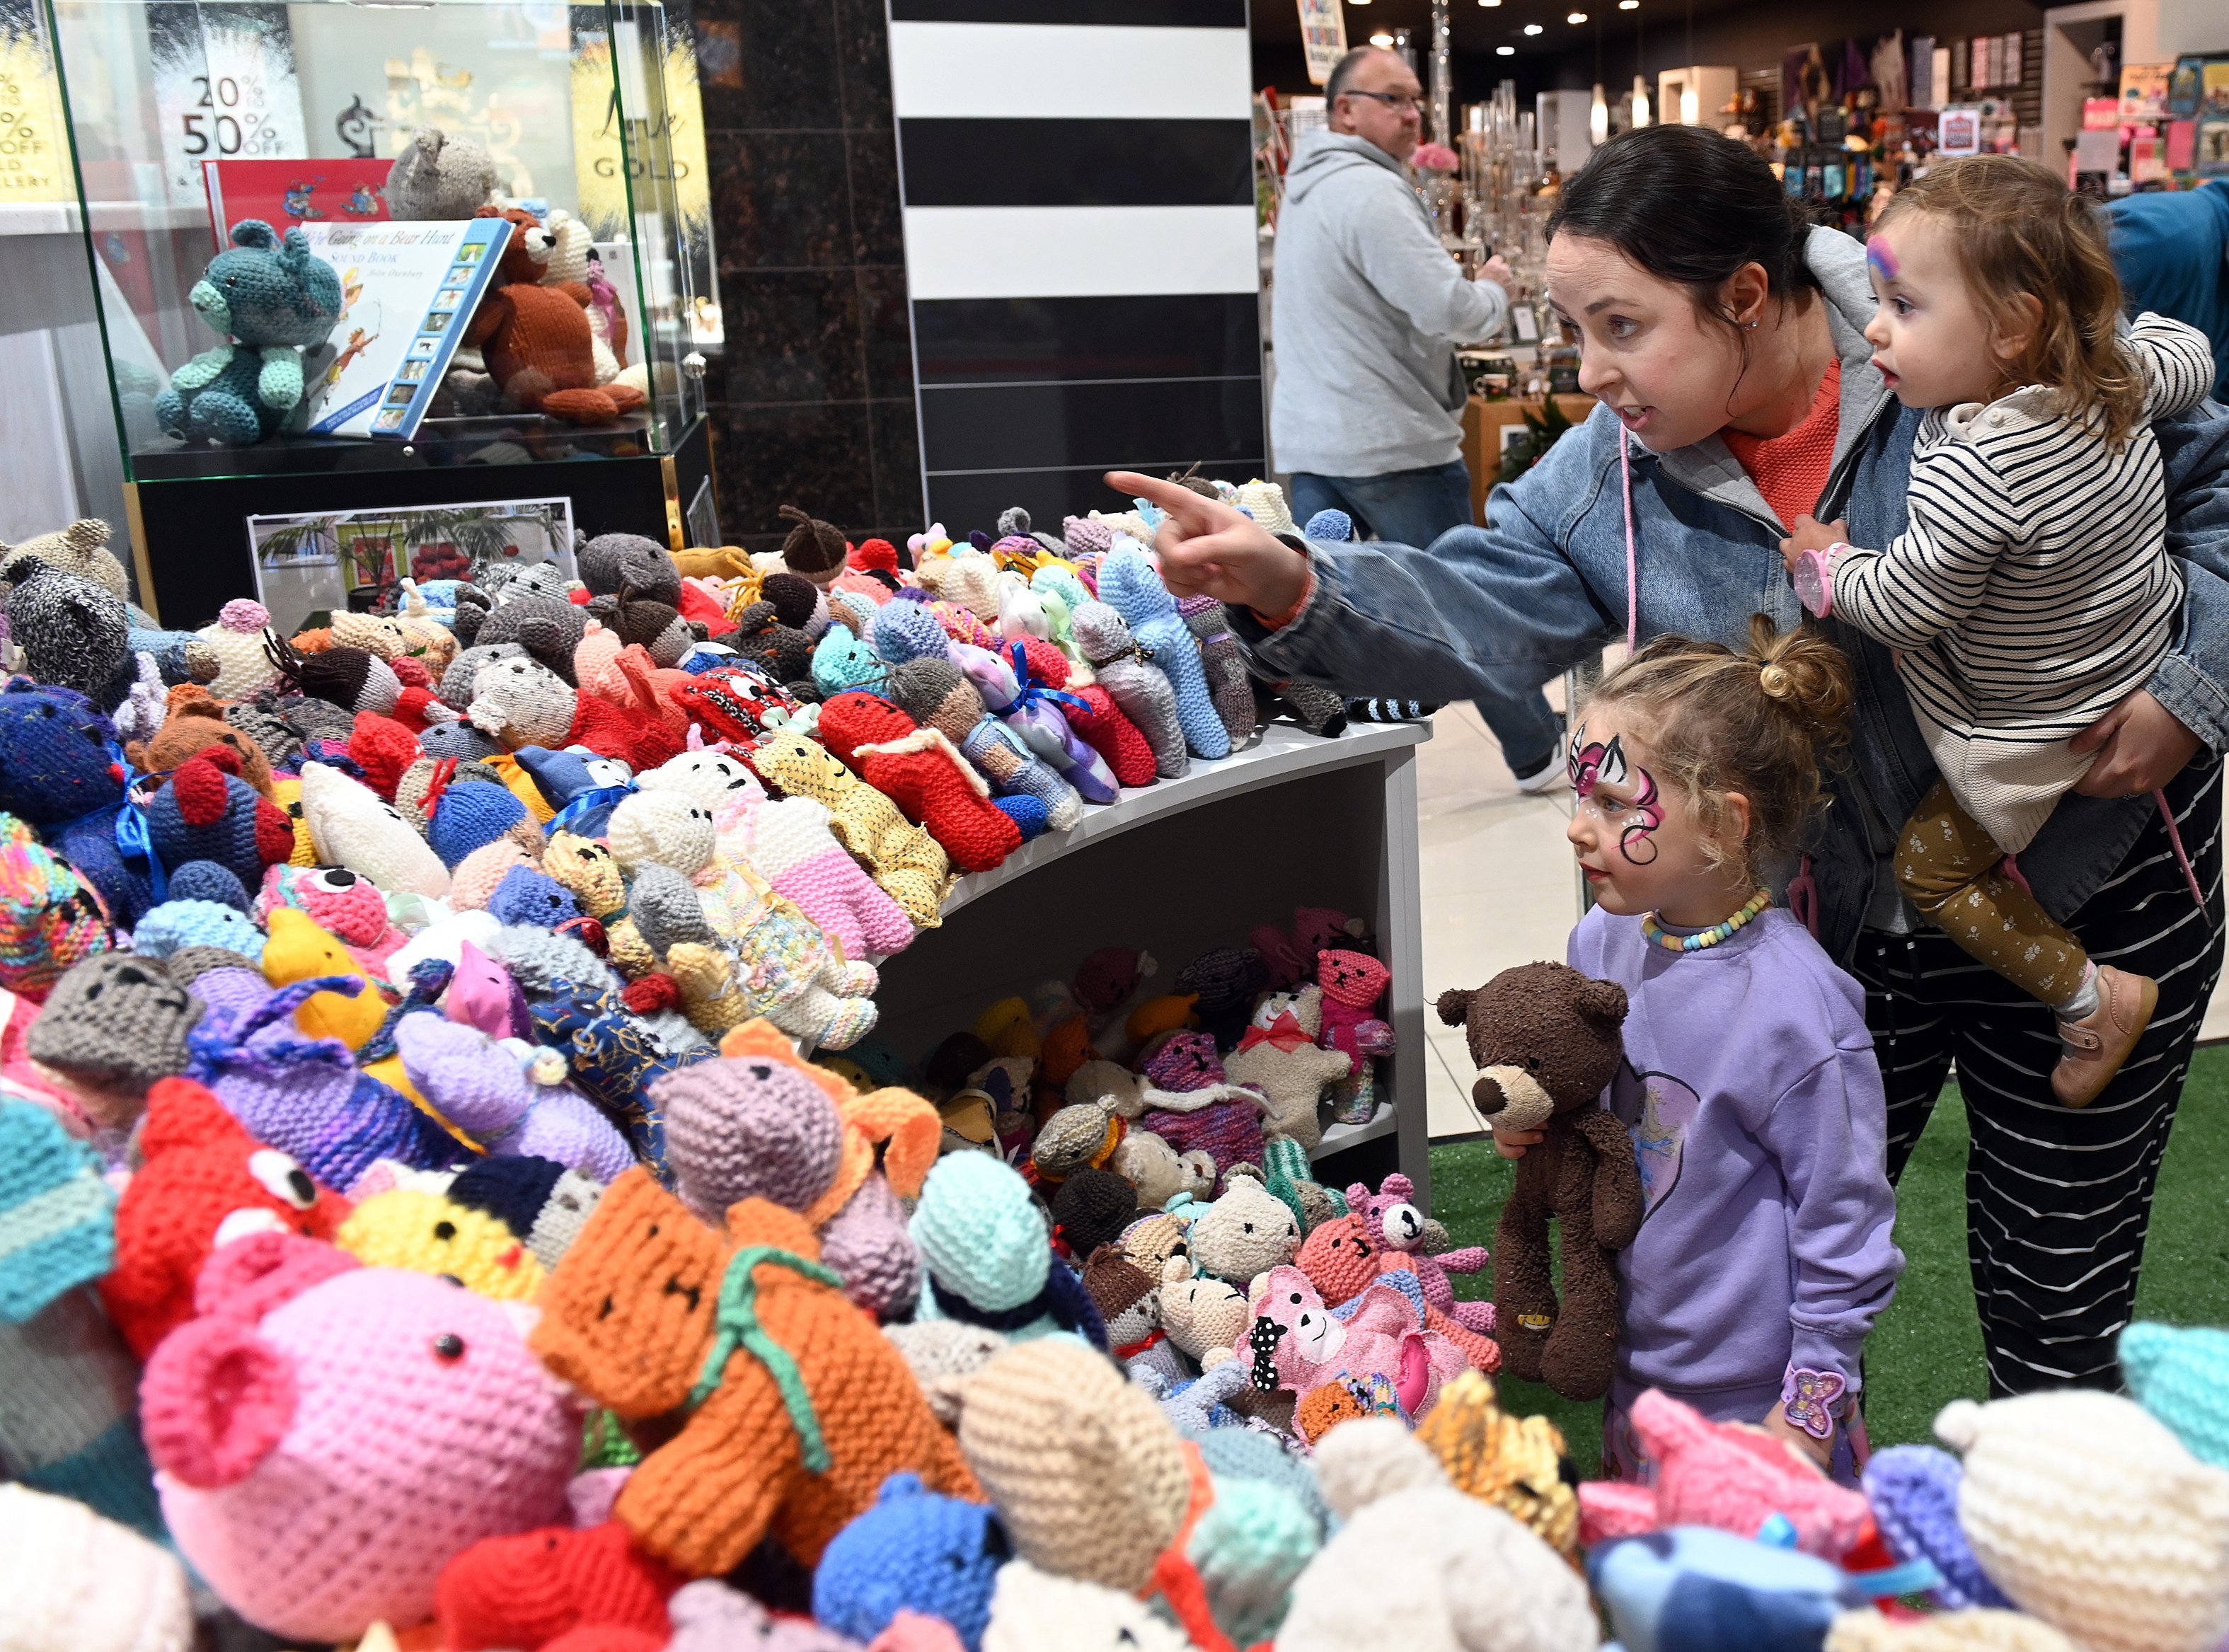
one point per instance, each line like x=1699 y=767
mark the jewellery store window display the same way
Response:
x=357 y=258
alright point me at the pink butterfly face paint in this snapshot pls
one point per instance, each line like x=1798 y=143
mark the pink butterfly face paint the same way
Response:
x=1604 y=763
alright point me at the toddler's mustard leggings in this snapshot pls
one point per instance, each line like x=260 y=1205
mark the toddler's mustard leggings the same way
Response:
x=1950 y=868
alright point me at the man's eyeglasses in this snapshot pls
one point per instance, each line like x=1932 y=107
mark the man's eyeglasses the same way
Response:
x=1393 y=101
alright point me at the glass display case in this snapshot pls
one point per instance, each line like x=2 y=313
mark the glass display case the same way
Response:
x=402 y=351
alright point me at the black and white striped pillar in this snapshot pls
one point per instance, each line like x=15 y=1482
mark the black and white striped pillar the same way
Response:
x=1081 y=258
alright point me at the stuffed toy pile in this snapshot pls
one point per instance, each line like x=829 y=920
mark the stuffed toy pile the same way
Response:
x=455 y=1197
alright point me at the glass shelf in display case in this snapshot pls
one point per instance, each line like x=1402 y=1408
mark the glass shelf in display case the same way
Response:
x=583 y=121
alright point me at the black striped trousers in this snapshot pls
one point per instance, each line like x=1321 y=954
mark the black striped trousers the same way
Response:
x=2057 y=1200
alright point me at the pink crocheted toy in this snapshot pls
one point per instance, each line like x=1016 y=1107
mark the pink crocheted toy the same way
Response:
x=328 y=1436
x=1726 y=1474
x=1195 y=1109
x=1353 y=983
x=1291 y=957
x=1395 y=1226
x=792 y=846
x=1296 y=1343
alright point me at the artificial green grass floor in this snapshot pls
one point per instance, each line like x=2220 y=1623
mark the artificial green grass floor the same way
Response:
x=1926 y=1350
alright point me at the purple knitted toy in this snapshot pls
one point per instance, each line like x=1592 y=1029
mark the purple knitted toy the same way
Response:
x=483 y=1088
x=1914 y=1492
x=1196 y=1109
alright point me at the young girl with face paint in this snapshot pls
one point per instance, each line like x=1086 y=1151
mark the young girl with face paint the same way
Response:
x=1750 y=1084
x=2031 y=589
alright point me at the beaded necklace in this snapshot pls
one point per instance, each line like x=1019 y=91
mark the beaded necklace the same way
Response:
x=1710 y=937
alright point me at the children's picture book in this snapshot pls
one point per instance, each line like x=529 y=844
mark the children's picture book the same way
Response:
x=2144 y=91
x=286 y=193
x=407 y=292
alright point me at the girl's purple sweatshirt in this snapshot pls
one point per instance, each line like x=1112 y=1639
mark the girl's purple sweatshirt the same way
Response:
x=1755 y=1104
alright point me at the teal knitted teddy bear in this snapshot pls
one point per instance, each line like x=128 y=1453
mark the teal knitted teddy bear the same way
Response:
x=271 y=300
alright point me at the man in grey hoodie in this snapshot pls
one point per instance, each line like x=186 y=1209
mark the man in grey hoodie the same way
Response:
x=1367 y=413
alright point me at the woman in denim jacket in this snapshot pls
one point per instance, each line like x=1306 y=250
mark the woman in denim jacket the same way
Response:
x=1725 y=340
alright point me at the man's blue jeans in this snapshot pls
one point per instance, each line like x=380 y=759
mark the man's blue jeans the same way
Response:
x=1415 y=508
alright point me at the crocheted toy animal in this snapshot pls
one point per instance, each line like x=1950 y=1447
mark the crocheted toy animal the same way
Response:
x=612 y=563
x=531 y=1589
x=1382 y=1337
x=485 y=1089
x=1342 y=1262
x=2059 y=1487
x=1283 y=1061
x=1517 y=1464
x=346 y=906
x=912 y=1551
x=1354 y=985
x=1466 y=1576
x=279 y=1416
x=1129 y=584
x=985 y=1246
x=193 y=726
x=1223 y=657
x=208 y=812
x=536 y=340
x=427 y=1232
x=1545 y=1039
x=1194 y=1108
x=923 y=774
x=1727 y=1476
x=2174 y=1373
x=1397 y=1229
x=351 y=827
x=270 y=299
x=1138 y=686
x=202 y=1178
x=801 y=1408
x=1244 y=1233
x=437 y=176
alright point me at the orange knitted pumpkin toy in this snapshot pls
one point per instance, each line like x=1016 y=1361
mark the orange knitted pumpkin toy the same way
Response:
x=801 y=1408
x=536 y=340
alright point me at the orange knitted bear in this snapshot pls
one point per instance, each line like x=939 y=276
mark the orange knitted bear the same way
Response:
x=801 y=1407
x=536 y=340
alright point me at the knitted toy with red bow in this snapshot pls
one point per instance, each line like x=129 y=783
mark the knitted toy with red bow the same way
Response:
x=923 y=774
x=1196 y=1108
x=1396 y=1226
x=1354 y=985
x=1282 y=1061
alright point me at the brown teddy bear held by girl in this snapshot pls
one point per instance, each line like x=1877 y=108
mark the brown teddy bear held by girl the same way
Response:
x=1546 y=1041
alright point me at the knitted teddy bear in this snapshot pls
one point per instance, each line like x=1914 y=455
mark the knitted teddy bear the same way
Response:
x=1281 y=1060
x=1195 y=1108
x=802 y=1409
x=1396 y=1227
x=612 y=563
x=544 y=627
x=74 y=634
x=1244 y=1234
x=1546 y=1040
x=277 y=1415
x=1129 y=584
x=1517 y=1464
x=270 y=298
x=1469 y=1578
x=1130 y=1300
x=935 y=692
x=1341 y=1260
x=193 y=726
x=81 y=548
x=916 y=1551
x=201 y=1176
x=1731 y=1476
x=760 y=1123
x=922 y=772
x=1354 y=985
x=536 y=338
x=437 y=176
x=497 y=1095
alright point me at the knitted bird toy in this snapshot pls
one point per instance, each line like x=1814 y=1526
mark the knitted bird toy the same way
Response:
x=1283 y=1062
x=798 y=1408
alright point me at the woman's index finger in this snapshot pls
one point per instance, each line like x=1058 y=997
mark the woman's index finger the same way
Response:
x=1179 y=501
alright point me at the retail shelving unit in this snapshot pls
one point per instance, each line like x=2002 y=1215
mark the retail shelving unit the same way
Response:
x=1185 y=865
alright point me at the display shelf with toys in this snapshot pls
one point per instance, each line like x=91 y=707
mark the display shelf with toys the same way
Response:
x=425 y=1228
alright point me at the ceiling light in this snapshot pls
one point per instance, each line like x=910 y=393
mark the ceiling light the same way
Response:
x=1628 y=5
x=1383 y=40
x=1531 y=29
x=1576 y=17
x=1505 y=51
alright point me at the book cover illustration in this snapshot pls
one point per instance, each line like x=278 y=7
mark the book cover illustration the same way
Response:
x=286 y=193
x=407 y=291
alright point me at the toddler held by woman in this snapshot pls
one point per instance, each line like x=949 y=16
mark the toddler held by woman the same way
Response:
x=1749 y=1086
x=2032 y=590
